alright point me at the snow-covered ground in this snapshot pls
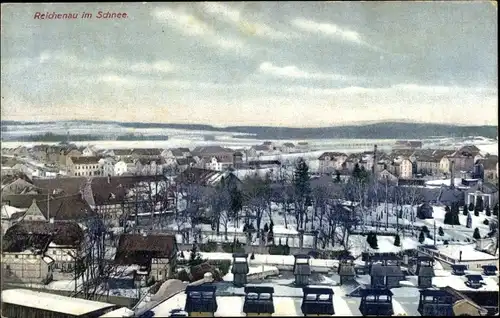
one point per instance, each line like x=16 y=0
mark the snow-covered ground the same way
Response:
x=469 y=252
x=443 y=182
x=383 y=219
x=266 y=259
x=253 y=270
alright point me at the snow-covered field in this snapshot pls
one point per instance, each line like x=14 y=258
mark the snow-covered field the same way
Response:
x=227 y=141
x=383 y=219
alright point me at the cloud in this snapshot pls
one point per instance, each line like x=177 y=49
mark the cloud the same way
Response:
x=234 y=17
x=294 y=72
x=72 y=61
x=192 y=26
x=131 y=81
x=333 y=31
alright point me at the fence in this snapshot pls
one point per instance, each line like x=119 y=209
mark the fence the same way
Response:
x=116 y=300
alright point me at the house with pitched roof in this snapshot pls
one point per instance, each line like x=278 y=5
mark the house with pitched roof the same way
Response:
x=117 y=198
x=146 y=153
x=89 y=151
x=487 y=168
x=125 y=166
x=401 y=168
x=465 y=157
x=258 y=150
x=18 y=183
x=386 y=177
x=39 y=251
x=428 y=164
x=208 y=178
x=154 y=254
x=288 y=147
x=331 y=161
x=150 y=167
x=67 y=152
x=118 y=153
x=175 y=153
x=408 y=144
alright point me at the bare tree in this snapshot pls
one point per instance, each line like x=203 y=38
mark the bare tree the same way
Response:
x=220 y=203
x=255 y=191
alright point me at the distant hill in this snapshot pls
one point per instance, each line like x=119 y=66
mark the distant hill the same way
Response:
x=380 y=130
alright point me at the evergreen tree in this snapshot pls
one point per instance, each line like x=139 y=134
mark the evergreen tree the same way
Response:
x=479 y=204
x=448 y=218
x=455 y=210
x=397 y=240
x=471 y=206
x=302 y=186
x=356 y=172
x=441 y=231
x=469 y=221
x=374 y=241
x=476 y=212
x=337 y=178
x=252 y=257
x=447 y=209
x=495 y=210
x=486 y=222
x=266 y=228
x=476 y=235
x=271 y=226
x=421 y=237
x=369 y=239
x=466 y=210
x=488 y=210
x=195 y=257
x=236 y=199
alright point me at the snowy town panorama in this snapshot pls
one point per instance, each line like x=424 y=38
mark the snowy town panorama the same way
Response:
x=250 y=159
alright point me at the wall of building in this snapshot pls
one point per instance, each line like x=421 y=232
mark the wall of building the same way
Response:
x=26 y=267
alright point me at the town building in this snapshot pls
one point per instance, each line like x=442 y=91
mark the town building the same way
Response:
x=288 y=147
x=40 y=251
x=155 y=254
x=125 y=166
x=83 y=166
x=329 y=162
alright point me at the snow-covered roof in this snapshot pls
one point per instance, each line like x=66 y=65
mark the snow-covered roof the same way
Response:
x=469 y=252
x=52 y=302
x=287 y=300
x=490 y=283
x=121 y=312
x=9 y=211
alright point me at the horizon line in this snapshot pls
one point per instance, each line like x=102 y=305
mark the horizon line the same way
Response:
x=354 y=123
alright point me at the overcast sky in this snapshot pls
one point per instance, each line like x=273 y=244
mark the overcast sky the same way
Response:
x=248 y=63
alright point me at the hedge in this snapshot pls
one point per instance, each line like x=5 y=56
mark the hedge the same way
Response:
x=208 y=247
x=279 y=250
x=233 y=247
x=222 y=264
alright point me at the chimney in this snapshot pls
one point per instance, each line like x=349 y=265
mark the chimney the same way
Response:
x=374 y=160
x=51 y=220
x=452 y=174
